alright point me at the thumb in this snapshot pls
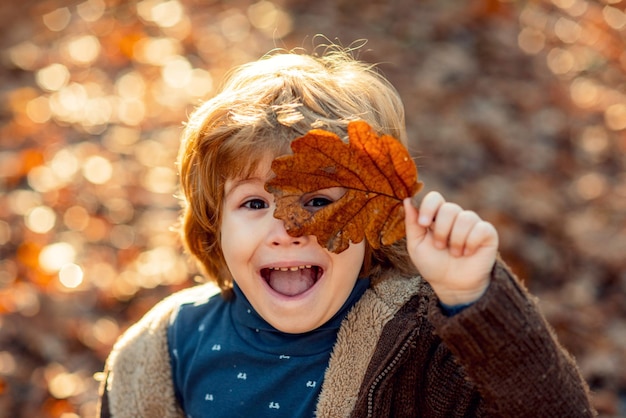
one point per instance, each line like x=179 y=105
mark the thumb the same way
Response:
x=415 y=232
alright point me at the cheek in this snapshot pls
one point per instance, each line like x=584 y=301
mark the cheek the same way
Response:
x=228 y=240
x=237 y=241
x=351 y=260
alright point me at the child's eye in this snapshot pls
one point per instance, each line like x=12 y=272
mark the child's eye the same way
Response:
x=318 y=202
x=255 y=204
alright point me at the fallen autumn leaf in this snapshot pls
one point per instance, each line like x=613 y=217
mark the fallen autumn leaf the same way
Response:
x=377 y=173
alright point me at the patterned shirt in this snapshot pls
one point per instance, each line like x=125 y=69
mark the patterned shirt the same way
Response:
x=227 y=361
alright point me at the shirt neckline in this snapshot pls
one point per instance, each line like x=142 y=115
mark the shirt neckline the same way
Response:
x=258 y=333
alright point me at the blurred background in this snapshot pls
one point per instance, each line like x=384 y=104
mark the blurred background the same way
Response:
x=514 y=109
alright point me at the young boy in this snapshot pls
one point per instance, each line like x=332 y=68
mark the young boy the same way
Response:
x=298 y=331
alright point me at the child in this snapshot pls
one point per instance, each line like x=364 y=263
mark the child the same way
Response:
x=298 y=331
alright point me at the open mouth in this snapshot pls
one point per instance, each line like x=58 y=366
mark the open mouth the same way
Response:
x=292 y=281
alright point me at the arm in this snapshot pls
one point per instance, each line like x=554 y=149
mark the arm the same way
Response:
x=501 y=340
x=511 y=354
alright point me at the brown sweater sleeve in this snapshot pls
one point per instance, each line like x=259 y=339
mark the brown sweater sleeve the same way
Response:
x=511 y=354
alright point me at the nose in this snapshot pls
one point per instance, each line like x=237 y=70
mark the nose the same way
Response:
x=278 y=235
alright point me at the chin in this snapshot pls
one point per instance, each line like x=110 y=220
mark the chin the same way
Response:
x=294 y=328
x=294 y=316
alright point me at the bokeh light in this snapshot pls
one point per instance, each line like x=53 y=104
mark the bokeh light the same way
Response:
x=615 y=116
x=91 y=10
x=40 y=219
x=71 y=275
x=55 y=256
x=97 y=169
x=53 y=77
x=58 y=19
x=82 y=50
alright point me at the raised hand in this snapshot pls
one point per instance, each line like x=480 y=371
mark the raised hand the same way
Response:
x=453 y=249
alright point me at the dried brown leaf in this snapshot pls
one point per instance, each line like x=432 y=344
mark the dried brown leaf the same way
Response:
x=377 y=173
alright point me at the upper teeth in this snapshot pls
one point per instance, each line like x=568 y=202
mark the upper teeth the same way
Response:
x=294 y=268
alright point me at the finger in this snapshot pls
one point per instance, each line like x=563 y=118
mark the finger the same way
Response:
x=483 y=234
x=429 y=207
x=444 y=221
x=414 y=231
x=464 y=223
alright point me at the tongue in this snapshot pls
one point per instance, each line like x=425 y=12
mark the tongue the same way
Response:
x=291 y=283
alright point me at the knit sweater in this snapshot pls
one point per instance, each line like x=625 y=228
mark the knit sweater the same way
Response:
x=396 y=355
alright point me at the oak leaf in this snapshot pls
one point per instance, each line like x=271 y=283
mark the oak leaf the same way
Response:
x=376 y=172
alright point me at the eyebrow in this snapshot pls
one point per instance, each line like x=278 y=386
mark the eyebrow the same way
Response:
x=238 y=183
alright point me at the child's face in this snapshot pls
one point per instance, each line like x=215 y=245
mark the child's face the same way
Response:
x=292 y=282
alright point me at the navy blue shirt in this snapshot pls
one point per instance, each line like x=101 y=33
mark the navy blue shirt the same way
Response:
x=227 y=361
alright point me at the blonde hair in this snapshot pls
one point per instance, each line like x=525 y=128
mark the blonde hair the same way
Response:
x=262 y=107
